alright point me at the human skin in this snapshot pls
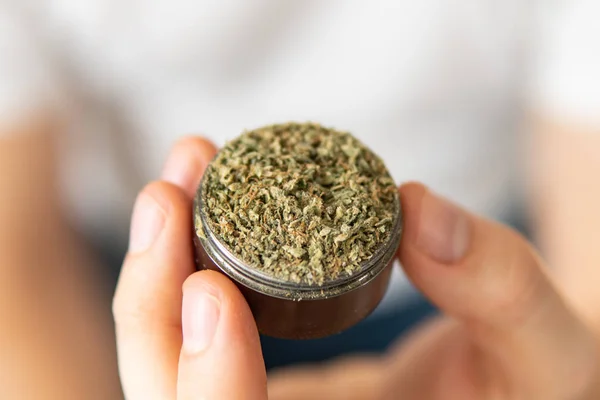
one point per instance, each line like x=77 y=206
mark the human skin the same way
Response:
x=55 y=326
x=506 y=330
x=55 y=337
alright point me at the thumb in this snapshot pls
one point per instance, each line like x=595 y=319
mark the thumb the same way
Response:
x=221 y=356
x=487 y=276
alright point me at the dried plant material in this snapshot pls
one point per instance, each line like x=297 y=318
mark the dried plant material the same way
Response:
x=300 y=202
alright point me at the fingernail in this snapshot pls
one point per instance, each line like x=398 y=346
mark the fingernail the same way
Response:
x=181 y=171
x=444 y=229
x=200 y=316
x=147 y=222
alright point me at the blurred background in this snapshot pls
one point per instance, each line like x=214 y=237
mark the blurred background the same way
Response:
x=493 y=104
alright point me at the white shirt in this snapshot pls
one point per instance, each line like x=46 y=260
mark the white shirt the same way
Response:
x=436 y=87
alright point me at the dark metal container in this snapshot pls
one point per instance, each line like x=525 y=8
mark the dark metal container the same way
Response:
x=295 y=311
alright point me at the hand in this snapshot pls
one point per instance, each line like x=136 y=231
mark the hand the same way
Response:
x=506 y=334
x=204 y=347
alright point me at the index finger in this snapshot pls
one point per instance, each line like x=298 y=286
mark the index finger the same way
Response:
x=187 y=161
x=147 y=304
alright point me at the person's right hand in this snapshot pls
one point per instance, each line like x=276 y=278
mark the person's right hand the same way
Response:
x=507 y=333
x=199 y=344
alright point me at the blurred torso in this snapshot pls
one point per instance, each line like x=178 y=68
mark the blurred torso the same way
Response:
x=432 y=86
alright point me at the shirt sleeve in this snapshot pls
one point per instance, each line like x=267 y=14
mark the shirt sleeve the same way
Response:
x=28 y=81
x=566 y=81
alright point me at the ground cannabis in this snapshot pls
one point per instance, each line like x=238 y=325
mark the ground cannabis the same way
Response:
x=300 y=202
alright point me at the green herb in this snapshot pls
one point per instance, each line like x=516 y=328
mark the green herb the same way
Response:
x=300 y=202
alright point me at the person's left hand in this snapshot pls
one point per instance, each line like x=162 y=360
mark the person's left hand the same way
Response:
x=507 y=333
x=202 y=345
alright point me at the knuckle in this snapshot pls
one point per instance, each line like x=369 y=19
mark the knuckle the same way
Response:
x=117 y=308
x=119 y=301
x=126 y=307
x=135 y=300
x=514 y=289
x=139 y=312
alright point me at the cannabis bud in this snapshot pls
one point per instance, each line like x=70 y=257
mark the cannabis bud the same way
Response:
x=306 y=220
